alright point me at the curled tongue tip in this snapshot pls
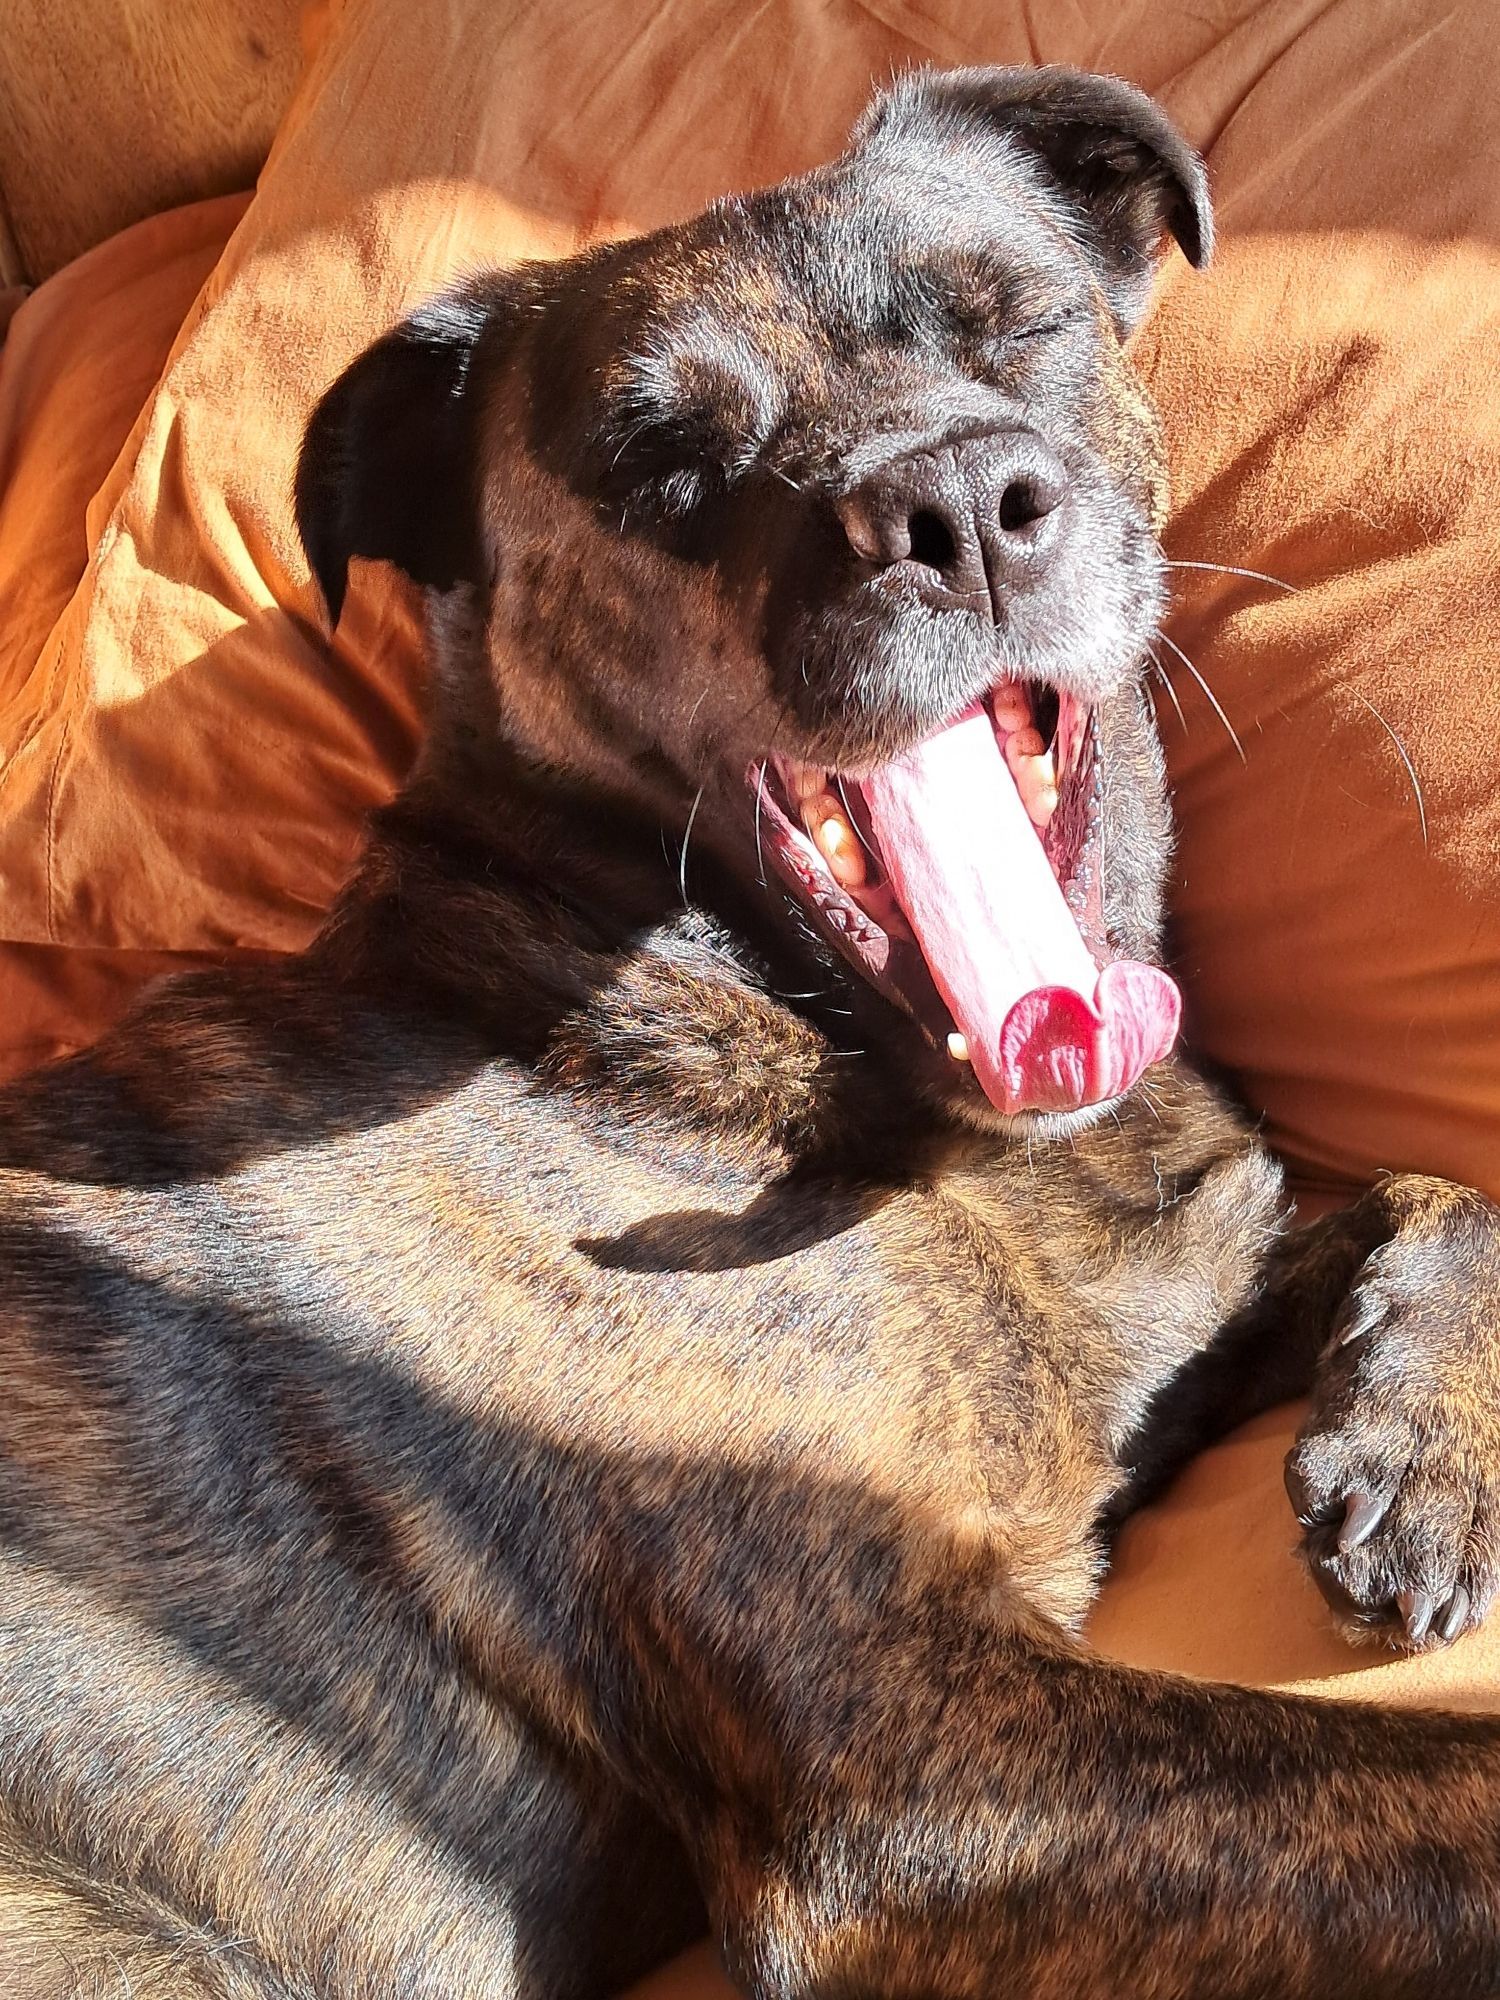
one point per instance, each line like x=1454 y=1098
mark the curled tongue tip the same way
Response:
x=955 y=821
x=1058 y=1051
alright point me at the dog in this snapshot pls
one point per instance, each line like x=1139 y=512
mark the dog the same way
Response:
x=591 y=1404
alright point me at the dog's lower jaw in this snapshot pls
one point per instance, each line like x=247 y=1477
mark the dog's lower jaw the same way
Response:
x=1038 y=1128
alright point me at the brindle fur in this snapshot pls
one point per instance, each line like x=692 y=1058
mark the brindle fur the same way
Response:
x=539 y=1420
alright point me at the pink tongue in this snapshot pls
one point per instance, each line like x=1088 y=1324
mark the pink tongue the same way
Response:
x=1046 y=1029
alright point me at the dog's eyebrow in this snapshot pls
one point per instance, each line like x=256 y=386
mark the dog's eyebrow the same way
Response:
x=977 y=283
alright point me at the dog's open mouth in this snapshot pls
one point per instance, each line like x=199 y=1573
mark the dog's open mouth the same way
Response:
x=963 y=879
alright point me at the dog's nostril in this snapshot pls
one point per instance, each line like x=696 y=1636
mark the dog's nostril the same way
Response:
x=931 y=540
x=1020 y=504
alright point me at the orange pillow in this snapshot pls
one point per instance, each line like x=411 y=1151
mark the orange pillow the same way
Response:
x=79 y=363
x=80 y=359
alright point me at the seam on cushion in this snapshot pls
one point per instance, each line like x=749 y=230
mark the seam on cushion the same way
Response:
x=46 y=666
x=40 y=713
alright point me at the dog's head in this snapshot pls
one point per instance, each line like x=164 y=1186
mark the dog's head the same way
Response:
x=825 y=525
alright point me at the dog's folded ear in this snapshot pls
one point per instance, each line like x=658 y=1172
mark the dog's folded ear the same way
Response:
x=387 y=468
x=1122 y=167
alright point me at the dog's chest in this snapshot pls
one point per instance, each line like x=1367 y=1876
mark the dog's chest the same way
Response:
x=506 y=1252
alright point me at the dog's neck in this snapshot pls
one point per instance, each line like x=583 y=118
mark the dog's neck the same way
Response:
x=560 y=923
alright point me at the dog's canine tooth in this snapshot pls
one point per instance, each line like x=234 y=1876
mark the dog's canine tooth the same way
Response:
x=836 y=840
x=1032 y=766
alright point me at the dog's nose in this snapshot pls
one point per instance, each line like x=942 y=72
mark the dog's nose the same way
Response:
x=979 y=517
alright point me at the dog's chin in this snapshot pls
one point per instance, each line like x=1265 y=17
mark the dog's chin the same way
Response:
x=951 y=1091
x=963 y=877
x=973 y=1109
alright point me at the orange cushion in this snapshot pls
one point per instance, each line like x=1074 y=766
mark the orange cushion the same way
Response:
x=79 y=363
x=1333 y=420
x=80 y=360
x=191 y=767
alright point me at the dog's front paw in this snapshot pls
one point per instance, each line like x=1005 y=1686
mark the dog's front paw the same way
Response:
x=1395 y=1476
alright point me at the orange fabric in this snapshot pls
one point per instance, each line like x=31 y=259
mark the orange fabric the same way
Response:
x=79 y=363
x=1334 y=422
x=189 y=766
x=80 y=360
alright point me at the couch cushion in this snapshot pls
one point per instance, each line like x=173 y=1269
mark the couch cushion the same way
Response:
x=79 y=362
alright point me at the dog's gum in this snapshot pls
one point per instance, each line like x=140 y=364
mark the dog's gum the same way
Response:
x=805 y=781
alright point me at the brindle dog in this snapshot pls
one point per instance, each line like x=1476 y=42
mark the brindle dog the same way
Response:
x=566 y=1407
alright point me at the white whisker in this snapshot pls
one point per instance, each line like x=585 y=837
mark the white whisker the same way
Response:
x=1212 y=698
x=1411 y=769
x=849 y=815
x=1232 y=569
x=628 y=440
x=687 y=835
x=760 y=800
x=1166 y=680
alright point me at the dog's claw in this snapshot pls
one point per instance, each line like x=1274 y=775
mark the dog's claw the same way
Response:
x=1361 y=1316
x=1456 y=1617
x=1362 y=1516
x=1417 y=1608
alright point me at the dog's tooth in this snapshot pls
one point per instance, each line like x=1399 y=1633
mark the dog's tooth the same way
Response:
x=1041 y=805
x=1035 y=774
x=958 y=1048
x=836 y=840
x=1038 y=788
x=843 y=853
x=805 y=781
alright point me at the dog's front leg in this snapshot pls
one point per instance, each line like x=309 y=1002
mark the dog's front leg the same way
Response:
x=1388 y=1314
x=1265 y=1353
x=1395 y=1476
